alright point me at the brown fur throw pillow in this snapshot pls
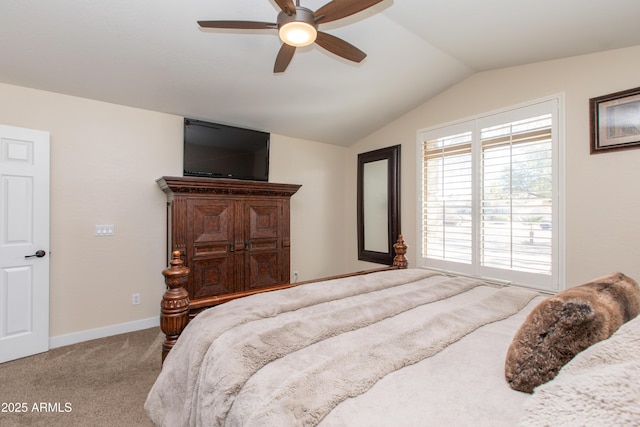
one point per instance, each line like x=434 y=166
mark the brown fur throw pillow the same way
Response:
x=563 y=325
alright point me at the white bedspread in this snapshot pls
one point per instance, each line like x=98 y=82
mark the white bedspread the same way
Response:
x=392 y=348
x=598 y=387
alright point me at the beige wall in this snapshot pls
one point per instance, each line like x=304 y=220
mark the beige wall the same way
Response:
x=317 y=219
x=105 y=159
x=602 y=193
x=104 y=162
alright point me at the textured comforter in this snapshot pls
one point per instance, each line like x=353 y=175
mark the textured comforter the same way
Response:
x=599 y=387
x=316 y=354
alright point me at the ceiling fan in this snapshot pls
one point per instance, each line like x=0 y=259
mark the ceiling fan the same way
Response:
x=298 y=26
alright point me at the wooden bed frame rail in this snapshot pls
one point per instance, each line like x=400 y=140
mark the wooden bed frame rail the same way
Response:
x=176 y=310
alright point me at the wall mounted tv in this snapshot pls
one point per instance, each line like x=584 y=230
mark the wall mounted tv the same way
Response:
x=220 y=151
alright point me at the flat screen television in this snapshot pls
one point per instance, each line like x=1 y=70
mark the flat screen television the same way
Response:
x=220 y=151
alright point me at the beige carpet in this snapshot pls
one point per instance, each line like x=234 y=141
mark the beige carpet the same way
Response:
x=102 y=382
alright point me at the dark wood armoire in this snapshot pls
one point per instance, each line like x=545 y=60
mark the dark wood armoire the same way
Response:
x=233 y=235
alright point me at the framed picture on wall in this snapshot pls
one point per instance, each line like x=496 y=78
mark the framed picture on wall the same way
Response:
x=615 y=121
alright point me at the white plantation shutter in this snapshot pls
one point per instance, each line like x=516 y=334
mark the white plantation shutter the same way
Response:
x=448 y=195
x=516 y=200
x=489 y=196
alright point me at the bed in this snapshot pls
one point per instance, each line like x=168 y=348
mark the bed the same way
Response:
x=401 y=347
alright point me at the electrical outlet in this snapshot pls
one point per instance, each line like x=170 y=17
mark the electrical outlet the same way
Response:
x=135 y=299
x=295 y=276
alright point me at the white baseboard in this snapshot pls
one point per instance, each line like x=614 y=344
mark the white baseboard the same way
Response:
x=107 y=331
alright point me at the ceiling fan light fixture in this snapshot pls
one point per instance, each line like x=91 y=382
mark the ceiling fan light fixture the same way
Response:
x=298 y=33
x=298 y=26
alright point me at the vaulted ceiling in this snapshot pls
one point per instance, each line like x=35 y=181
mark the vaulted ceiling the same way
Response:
x=152 y=54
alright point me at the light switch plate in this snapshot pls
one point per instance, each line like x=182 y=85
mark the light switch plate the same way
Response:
x=105 y=230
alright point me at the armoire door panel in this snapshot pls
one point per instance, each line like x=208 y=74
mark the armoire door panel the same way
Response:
x=263 y=219
x=210 y=236
x=210 y=222
x=263 y=269
x=210 y=249
x=212 y=276
x=260 y=245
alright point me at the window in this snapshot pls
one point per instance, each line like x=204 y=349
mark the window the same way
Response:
x=489 y=196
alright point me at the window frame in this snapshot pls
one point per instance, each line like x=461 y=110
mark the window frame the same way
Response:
x=556 y=280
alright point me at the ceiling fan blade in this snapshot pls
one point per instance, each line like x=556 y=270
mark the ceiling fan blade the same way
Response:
x=239 y=25
x=287 y=6
x=284 y=58
x=340 y=47
x=338 y=9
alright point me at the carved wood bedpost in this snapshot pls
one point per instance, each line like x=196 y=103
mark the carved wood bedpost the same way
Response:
x=400 y=248
x=174 y=308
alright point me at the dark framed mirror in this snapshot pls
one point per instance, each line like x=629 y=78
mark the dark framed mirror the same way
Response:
x=378 y=204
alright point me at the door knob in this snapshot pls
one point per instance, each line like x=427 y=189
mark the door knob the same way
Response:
x=38 y=254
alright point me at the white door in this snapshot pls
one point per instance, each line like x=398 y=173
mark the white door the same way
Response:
x=24 y=242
